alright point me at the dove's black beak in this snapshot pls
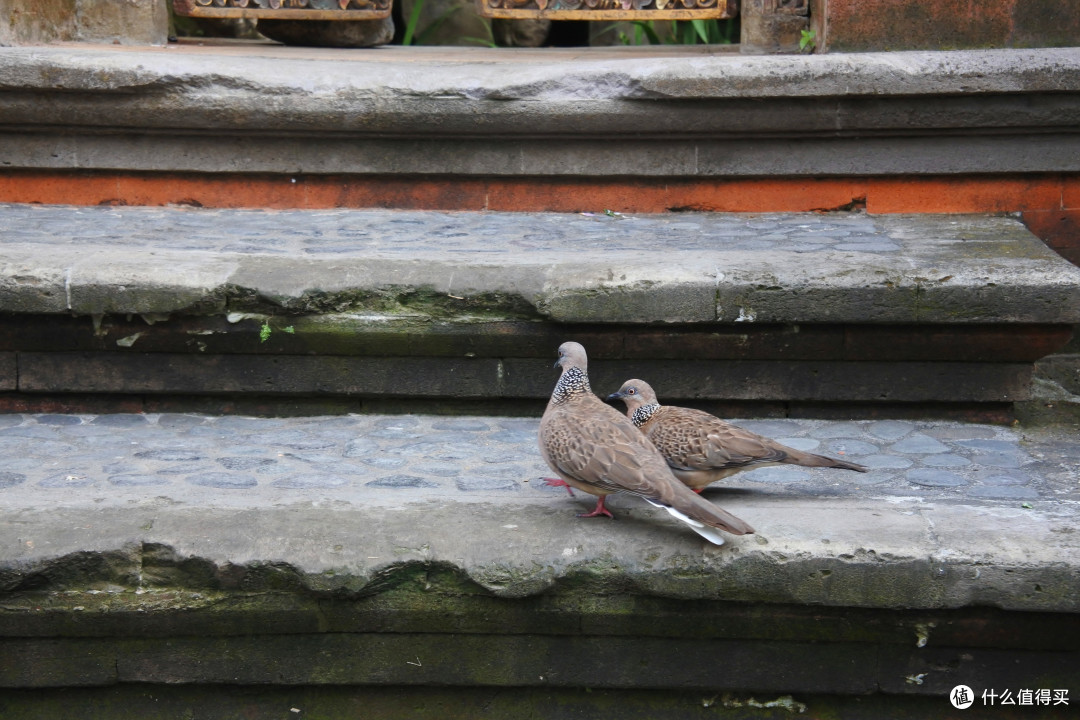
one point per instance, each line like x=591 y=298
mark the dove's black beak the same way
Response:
x=615 y=396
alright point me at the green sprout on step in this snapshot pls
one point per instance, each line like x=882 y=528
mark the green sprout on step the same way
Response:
x=265 y=330
x=808 y=41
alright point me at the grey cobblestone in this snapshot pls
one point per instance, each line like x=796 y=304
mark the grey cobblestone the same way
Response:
x=850 y=447
x=203 y=459
x=919 y=444
x=402 y=481
x=945 y=460
x=930 y=477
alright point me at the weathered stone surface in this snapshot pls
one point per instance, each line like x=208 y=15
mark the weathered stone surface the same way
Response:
x=596 y=268
x=977 y=343
x=341 y=581
x=545 y=661
x=388 y=335
x=27 y=284
x=1064 y=370
x=9 y=372
x=99 y=283
x=497 y=123
x=165 y=373
x=823 y=538
x=443 y=703
x=842 y=307
x=768 y=26
x=112 y=372
x=132 y=22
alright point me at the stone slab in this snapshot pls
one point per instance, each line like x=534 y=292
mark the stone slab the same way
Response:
x=557 y=660
x=454 y=378
x=9 y=371
x=162 y=503
x=407 y=336
x=443 y=703
x=460 y=75
x=34 y=22
x=696 y=112
x=571 y=268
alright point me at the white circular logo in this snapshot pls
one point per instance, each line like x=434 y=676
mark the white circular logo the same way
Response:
x=961 y=697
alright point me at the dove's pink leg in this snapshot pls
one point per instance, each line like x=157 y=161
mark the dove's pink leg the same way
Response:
x=599 y=509
x=556 y=482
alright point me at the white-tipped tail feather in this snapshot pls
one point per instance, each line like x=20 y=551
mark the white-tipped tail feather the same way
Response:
x=710 y=534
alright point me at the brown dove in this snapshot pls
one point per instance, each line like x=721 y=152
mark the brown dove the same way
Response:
x=702 y=448
x=594 y=448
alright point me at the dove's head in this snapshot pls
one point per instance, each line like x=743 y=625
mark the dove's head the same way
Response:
x=634 y=393
x=572 y=354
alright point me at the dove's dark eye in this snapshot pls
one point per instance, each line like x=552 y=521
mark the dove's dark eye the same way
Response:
x=631 y=391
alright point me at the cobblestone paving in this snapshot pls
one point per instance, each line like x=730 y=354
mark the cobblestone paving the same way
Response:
x=317 y=233
x=242 y=460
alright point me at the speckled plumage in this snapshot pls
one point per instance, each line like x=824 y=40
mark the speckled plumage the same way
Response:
x=595 y=449
x=701 y=448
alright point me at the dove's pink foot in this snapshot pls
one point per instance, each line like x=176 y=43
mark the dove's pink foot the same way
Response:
x=697 y=490
x=598 y=510
x=556 y=482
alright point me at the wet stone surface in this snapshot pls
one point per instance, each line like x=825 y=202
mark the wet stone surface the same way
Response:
x=239 y=460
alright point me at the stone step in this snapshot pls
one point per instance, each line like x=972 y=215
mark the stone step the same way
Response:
x=147 y=562
x=350 y=305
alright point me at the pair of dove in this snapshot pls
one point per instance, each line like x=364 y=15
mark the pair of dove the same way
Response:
x=663 y=454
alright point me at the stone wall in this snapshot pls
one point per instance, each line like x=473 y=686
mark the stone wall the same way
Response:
x=872 y=25
x=122 y=22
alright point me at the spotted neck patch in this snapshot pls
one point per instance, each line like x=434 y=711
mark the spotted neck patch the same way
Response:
x=643 y=413
x=572 y=383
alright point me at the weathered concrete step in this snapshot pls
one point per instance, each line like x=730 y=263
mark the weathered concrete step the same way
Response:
x=685 y=267
x=325 y=562
x=452 y=112
x=789 y=308
x=521 y=660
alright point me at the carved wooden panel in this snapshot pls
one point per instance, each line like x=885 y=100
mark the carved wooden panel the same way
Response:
x=285 y=9
x=609 y=9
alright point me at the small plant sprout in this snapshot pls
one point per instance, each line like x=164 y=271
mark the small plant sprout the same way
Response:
x=265 y=330
x=808 y=41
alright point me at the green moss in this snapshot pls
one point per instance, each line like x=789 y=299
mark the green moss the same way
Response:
x=421 y=302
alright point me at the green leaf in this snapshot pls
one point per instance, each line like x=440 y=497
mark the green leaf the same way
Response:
x=264 y=332
x=414 y=19
x=701 y=30
x=648 y=30
x=289 y=329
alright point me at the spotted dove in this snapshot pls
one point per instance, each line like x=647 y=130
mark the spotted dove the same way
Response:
x=594 y=448
x=701 y=448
